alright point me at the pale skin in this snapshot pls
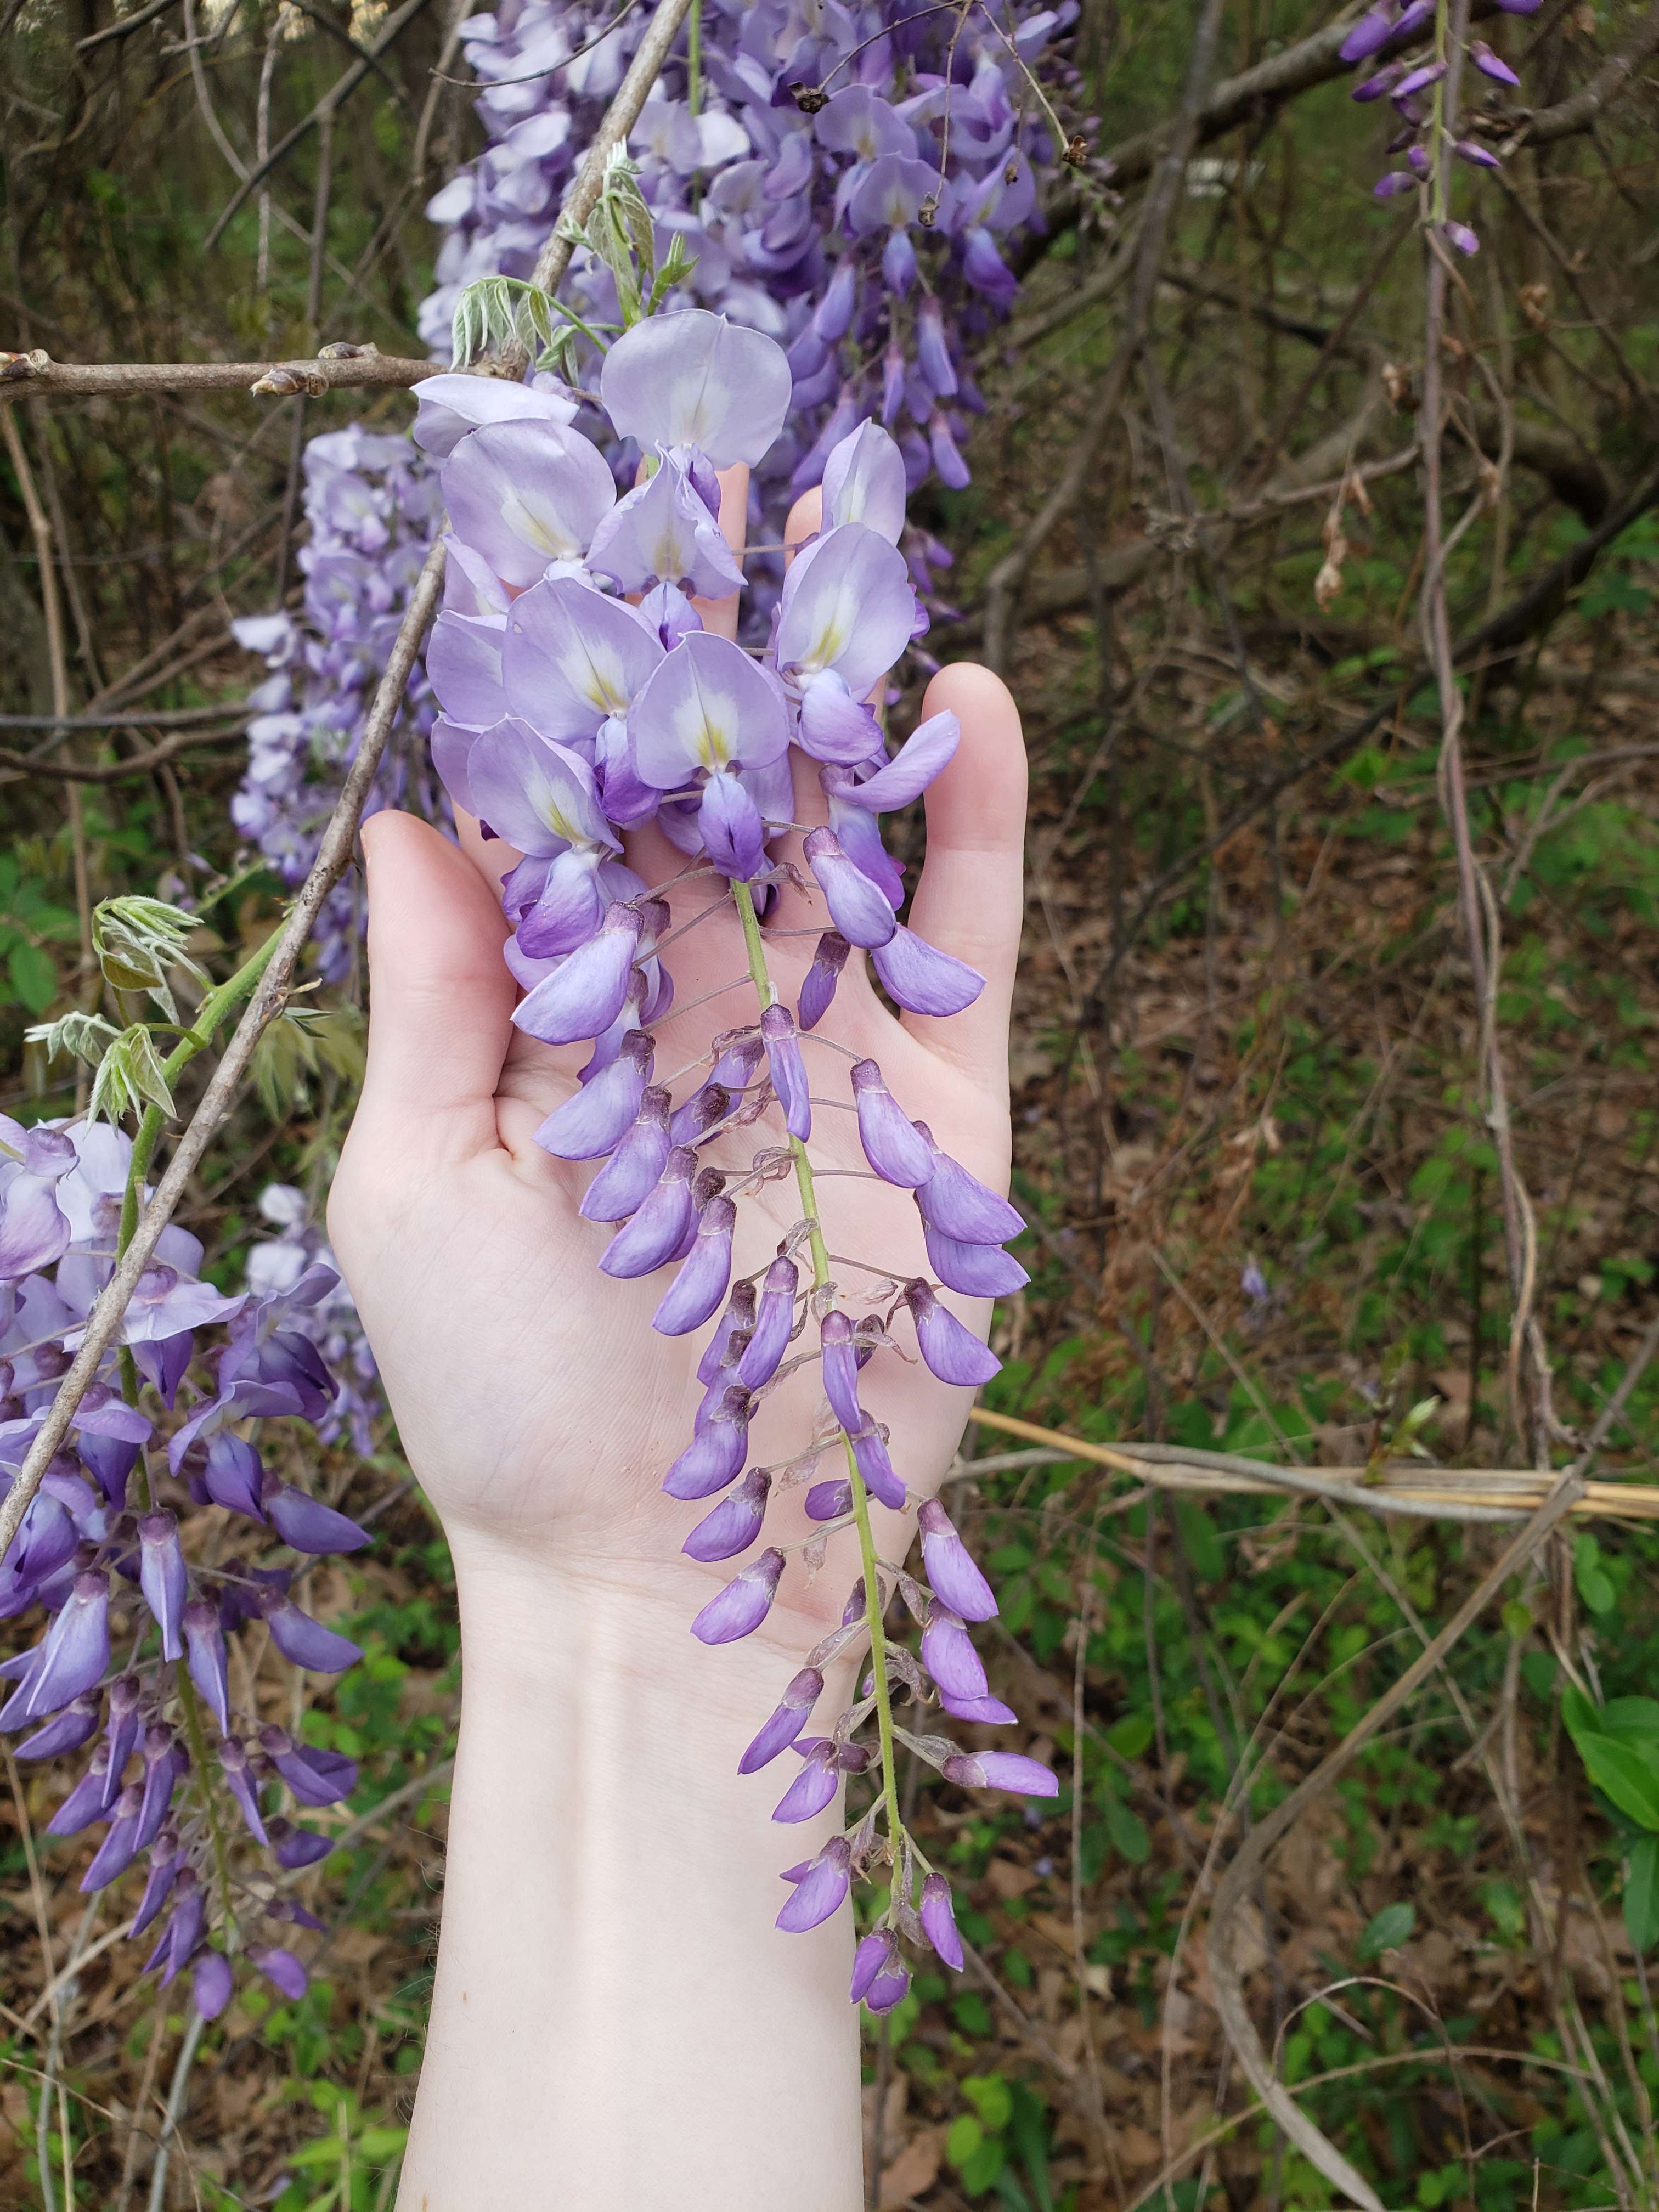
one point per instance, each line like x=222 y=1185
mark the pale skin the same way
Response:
x=617 y=2023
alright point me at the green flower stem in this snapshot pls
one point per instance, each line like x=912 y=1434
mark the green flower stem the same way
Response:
x=873 y=1602
x=1438 y=195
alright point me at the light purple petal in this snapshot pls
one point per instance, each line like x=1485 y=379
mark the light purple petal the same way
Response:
x=939 y=1920
x=449 y=406
x=661 y=532
x=951 y=1574
x=788 y=1070
x=1002 y=1770
x=538 y=794
x=847 y=605
x=734 y=1523
x=740 y=1607
x=929 y=748
x=701 y=1283
x=923 y=979
x=572 y=657
x=892 y=1143
x=978 y=1271
x=820 y=1890
x=706 y=707
x=715 y=1454
x=813 y=1787
x=962 y=1206
x=526 y=494
x=733 y=834
x=34 y=1229
x=802 y=1693
x=954 y=1353
x=303 y=1641
x=464 y=663
x=586 y=992
x=597 y=1119
x=659 y=1227
x=948 y=1654
x=774 y=1318
x=860 y=908
x=834 y=725
x=693 y=379
x=864 y=482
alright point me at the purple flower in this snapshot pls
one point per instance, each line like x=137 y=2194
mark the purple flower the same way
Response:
x=954 y=1353
x=988 y=1709
x=204 y=1651
x=876 y=1468
x=961 y=1205
x=847 y=611
x=115 y=1854
x=930 y=748
x=706 y=708
x=1490 y=64
x=861 y=911
x=738 y=1056
x=232 y=1765
x=894 y=1147
x=88 y=1801
x=1373 y=30
x=294 y=1847
x=1001 y=1770
x=734 y=1523
x=123 y=1728
x=1390 y=187
x=1459 y=235
x=715 y=1453
x=161 y=1576
x=693 y=379
x=314 y=1775
x=584 y=994
x=802 y=1693
x=309 y=1525
x=948 y=1654
x=939 y=1920
x=210 y=1984
x=955 y=1579
x=701 y=1283
x=166 y=1863
x=731 y=826
x=820 y=1889
x=740 y=1607
x=572 y=658
x=661 y=1225
x=34 y=1231
x=841 y=1370
x=450 y=406
x=880 y=1977
x=787 y=1070
x=165 y=1767
x=1419 y=80
x=632 y=1173
x=830 y=1501
x=923 y=979
x=527 y=494
x=774 y=1321
x=863 y=482
x=67 y=1731
x=74 y=1650
x=979 y=1271
x=662 y=532
x=953 y=470
x=303 y=1641
x=822 y=977
x=283 y=1970
x=738 y=1318
x=814 y=1787
x=1467 y=150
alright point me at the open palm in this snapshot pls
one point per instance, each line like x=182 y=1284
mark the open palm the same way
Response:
x=536 y=1403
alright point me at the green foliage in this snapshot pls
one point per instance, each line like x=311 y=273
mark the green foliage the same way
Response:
x=31 y=924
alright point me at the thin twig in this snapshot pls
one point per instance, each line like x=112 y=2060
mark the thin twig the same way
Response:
x=345 y=368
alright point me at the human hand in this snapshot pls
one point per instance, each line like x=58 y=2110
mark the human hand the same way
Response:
x=537 y=1405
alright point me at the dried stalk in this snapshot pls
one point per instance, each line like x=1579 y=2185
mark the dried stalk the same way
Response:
x=337 y=368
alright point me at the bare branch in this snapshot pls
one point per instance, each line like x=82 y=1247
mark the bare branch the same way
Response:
x=337 y=368
x=1580 y=112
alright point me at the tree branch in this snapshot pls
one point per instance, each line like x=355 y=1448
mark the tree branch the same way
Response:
x=337 y=368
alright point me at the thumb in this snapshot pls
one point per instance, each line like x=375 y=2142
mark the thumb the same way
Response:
x=440 y=995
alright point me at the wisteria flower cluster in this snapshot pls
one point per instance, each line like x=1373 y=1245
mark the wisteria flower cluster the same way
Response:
x=371 y=507
x=846 y=180
x=583 y=696
x=1410 y=41
x=151 y=1647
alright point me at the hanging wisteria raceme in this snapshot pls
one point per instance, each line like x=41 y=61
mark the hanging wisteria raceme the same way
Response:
x=150 y=1656
x=275 y=1265
x=571 y=716
x=1405 y=46
x=846 y=179
x=371 y=506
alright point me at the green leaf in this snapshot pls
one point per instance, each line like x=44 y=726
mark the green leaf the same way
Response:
x=979 y=2171
x=1626 y=1773
x=1517 y=1619
x=1386 y=1931
x=1202 y=1545
x=965 y=2137
x=33 y=976
x=1130 y=1734
x=1642 y=1892
x=379 y=2145
x=1127 y=1831
x=991 y=2098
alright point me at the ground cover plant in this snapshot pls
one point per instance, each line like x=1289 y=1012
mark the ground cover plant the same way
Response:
x=1323 y=1593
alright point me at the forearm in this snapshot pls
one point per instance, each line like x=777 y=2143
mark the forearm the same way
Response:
x=616 y=2021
